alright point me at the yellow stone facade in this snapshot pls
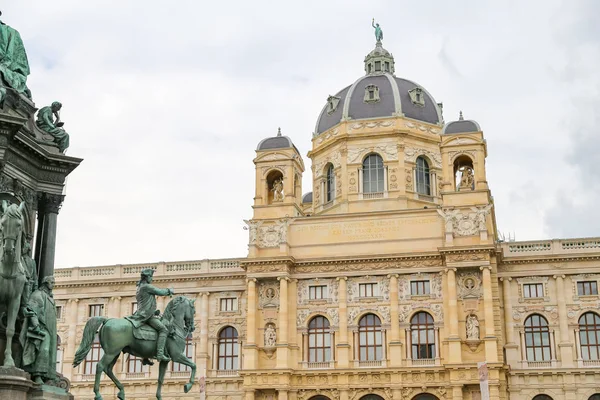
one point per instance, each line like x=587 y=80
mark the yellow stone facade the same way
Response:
x=350 y=256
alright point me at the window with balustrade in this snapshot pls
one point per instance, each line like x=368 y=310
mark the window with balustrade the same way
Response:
x=589 y=336
x=319 y=340
x=189 y=353
x=537 y=339
x=370 y=341
x=330 y=184
x=373 y=171
x=93 y=357
x=96 y=310
x=228 y=349
x=587 y=288
x=423 y=178
x=422 y=336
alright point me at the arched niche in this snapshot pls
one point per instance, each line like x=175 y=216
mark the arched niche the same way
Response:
x=464 y=173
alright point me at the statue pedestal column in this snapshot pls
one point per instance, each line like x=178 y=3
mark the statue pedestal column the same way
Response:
x=14 y=384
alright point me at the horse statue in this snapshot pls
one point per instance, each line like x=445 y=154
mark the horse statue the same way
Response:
x=12 y=273
x=118 y=335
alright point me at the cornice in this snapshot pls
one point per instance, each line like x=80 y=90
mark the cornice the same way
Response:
x=542 y=260
x=134 y=280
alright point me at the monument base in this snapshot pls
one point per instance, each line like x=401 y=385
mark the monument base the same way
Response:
x=16 y=384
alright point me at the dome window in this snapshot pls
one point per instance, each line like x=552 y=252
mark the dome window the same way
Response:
x=386 y=66
x=416 y=96
x=377 y=66
x=371 y=94
x=332 y=103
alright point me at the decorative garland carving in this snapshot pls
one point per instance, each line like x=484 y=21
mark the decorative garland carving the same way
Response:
x=383 y=265
x=333 y=158
x=435 y=281
x=372 y=125
x=407 y=310
x=412 y=153
x=268 y=234
x=388 y=152
x=463 y=222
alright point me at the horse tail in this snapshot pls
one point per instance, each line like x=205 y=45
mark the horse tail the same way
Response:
x=88 y=338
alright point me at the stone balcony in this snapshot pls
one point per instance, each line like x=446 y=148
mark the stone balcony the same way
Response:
x=130 y=271
x=550 y=247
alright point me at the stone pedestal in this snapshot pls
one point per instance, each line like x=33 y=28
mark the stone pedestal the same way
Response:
x=16 y=384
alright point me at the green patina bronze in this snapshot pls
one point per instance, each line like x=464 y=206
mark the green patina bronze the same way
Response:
x=378 y=31
x=30 y=271
x=12 y=273
x=48 y=120
x=14 y=66
x=137 y=335
x=38 y=336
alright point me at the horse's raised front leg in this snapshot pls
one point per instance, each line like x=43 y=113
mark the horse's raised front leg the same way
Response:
x=162 y=368
x=111 y=375
x=182 y=359
x=12 y=312
x=103 y=366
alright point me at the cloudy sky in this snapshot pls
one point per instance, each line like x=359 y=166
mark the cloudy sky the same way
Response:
x=166 y=102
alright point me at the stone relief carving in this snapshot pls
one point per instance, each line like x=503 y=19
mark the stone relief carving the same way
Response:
x=268 y=294
x=270 y=336
x=334 y=158
x=422 y=128
x=407 y=310
x=274 y=157
x=215 y=325
x=352 y=182
x=280 y=168
x=388 y=152
x=412 y=153
x=271 y=235
x=352 y=314
x=334 y=316
x=453 y=154
x=327 y=135
x=472 y=327
x=303 y=289
x=435 y=288
x=465 y=222
x=371 y=266
x=372 y=125
x=469 y=285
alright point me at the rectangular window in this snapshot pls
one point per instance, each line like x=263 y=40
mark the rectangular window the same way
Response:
x=367 y=290
x=134 y=364
x=531 y=290
x=377 y=65
x=419 y=288
x=371 y=94
x=59 y=311
x=317 y=292
x=92 y=358
x=229 y=304
x=587 y=288
x=134 y=307
x=96 y=310
x=189 y=350
x=387 y=66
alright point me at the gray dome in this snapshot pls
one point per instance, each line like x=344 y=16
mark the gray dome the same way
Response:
x=461 y=126
x=276 y=142
x=307 y=197
x=396 y=97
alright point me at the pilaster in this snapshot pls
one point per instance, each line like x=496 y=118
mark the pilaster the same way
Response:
x=282 y=332
x=395 y=346
x=454 y=346
x=511 y=347
x=250 y=349
x=564 y=343
x=47 y=239
x=343 y=348
x=491 y=341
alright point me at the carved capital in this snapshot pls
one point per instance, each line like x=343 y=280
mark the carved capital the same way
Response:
x=506 y=278
x=559 y=276
x=446 y=270
x=339 y=278
x=488 y=267
x=283 y=278
x=248 y=280
x=51 y=202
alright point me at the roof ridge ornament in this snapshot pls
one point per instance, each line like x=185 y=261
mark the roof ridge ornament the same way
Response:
x=278 y=131
x=460 y=116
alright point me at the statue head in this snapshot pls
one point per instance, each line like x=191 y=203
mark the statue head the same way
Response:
x=56 y=106
x=48 y=281
x=147 y=275
x=26 y=247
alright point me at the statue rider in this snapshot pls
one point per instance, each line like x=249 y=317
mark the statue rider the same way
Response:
x=147 y=312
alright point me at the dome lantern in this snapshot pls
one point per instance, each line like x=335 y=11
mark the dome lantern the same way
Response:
x=379 y=61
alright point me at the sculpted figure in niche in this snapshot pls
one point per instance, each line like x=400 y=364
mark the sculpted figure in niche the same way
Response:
x=270 y=336
x=467 y=180
x=472 y=327
x=278 y=190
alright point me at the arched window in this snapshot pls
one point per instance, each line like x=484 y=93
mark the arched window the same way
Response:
x=542 y=397
x=369 y=338
x=595 y=397
x=189 y=350
x=228 y=349
x=589 y=336
x=92 y=358
x=425 y=396
x=422 y=336
x=537 y=338
x=423 y=178
x=330 y=184
x=319 y=340
x=373 y=174
x=371 y=397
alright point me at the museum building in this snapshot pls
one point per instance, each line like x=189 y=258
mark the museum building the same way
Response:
x=386 y=281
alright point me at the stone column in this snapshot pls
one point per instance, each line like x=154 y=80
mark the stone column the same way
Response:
x=454 y=348
x=395 y=353
x=457 y=392
x=282 y=394
x=47 y=238
x=491 y=349
x=69 y=352
x=204 y=355
x=511 y=346
x=251 y=350
x=282 y=332
x=564 y=342
x=343 y=353
x=249 y=395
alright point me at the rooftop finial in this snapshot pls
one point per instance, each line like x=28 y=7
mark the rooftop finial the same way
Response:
x=460 y=117
x=278 y=131
x=378 y=31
